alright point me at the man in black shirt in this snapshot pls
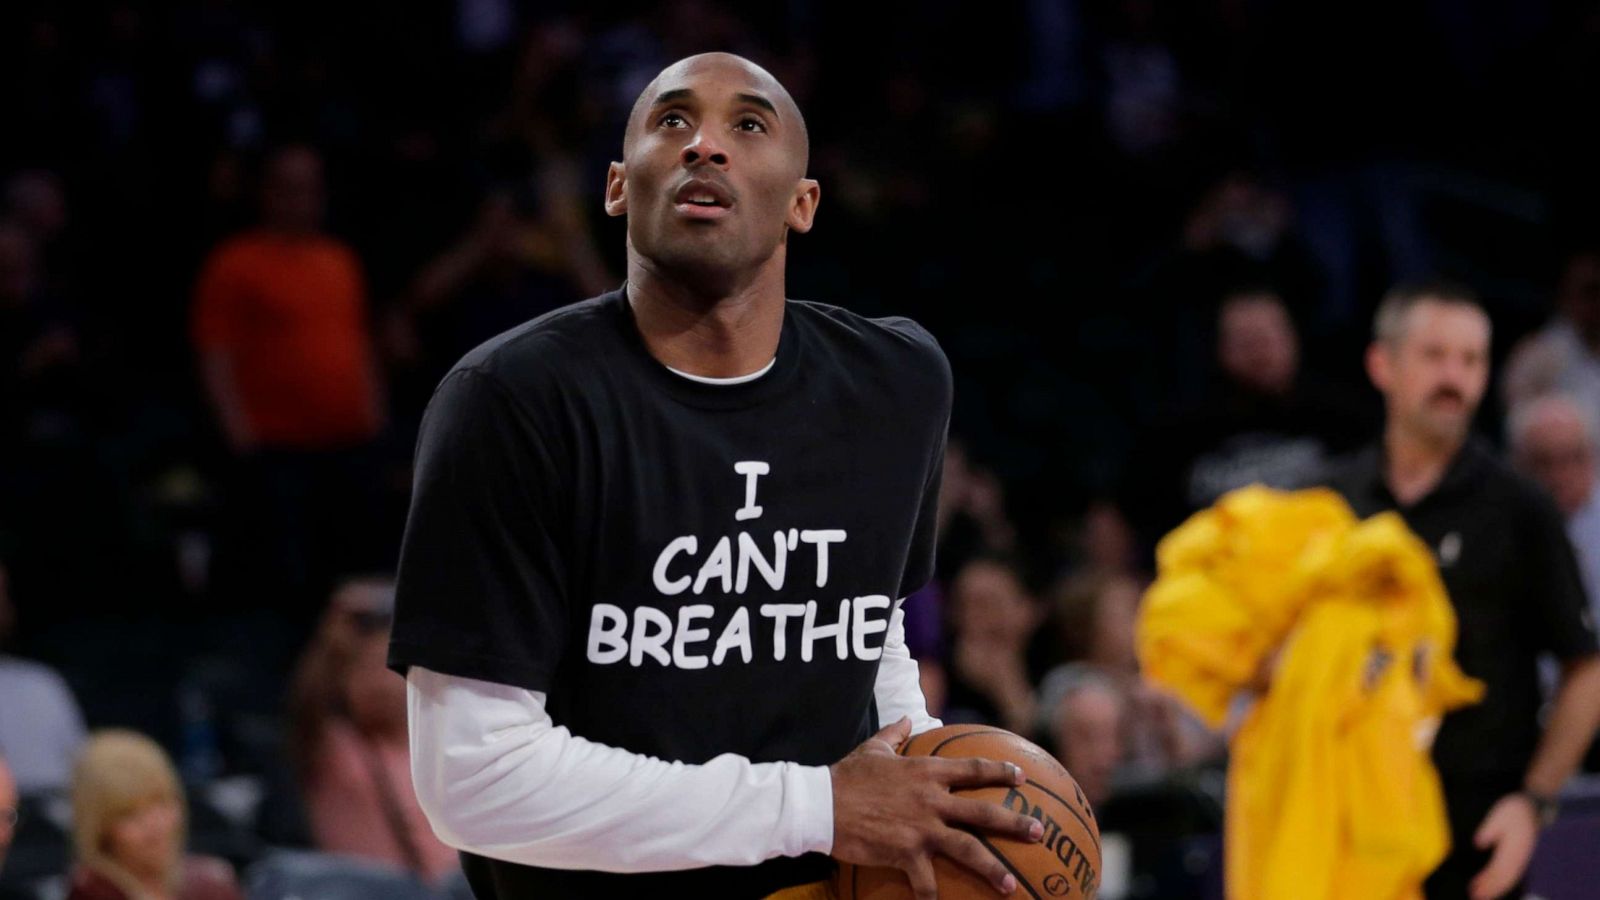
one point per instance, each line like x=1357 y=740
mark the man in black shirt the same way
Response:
x=1511 y=576
x=648 y=588
x=1265 y=423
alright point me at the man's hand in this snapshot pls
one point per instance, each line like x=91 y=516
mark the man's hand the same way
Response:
x=896 y=811
x=1511 y=828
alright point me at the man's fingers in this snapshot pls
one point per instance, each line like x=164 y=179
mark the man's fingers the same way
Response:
x=968 y=851
x=1496 y=877
x=920 y=874
x=978 y=772
x=993 y=817
x=1487 y=834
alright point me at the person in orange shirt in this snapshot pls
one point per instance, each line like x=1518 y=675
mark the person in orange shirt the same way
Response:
x=286 y=356
x=279 y=323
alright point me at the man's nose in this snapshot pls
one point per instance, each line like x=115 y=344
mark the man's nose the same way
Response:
x=704 y=148
x=1460 y=373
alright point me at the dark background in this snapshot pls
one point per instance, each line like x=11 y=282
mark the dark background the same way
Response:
x=1061 y=190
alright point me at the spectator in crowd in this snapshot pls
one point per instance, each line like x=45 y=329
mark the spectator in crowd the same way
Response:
x=128 y=827
x=349 y=743
x=8 y=810
x=1239 y=232
x=41 y=728
x=1555 y=440
x=1104 y=540
x=1084 y=719
x=512 y=265
x=972 y=512
x=1092 y=616
x=1564 y=355
x=971 y=522
x=993 y=619
x=1266 y=424
x=280 y=326
x=38 y=342
x=36 y=200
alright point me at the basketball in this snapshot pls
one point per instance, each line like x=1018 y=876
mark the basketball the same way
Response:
x=1065 y=863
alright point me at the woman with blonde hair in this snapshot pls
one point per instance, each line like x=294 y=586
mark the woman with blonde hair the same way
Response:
x=129 y=829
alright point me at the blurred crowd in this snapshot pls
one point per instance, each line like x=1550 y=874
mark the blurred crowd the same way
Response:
x=241 y=242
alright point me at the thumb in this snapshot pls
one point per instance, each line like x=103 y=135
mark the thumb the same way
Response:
x=895 y=734
x=1488 y=834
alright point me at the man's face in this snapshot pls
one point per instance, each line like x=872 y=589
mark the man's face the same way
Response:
x=1088 y=729
x=293 y=197
x=1115 y=622
x=1434 y=372
x=1557 y=452
x=713 y=169
x=990 y=604
x=1256 y=344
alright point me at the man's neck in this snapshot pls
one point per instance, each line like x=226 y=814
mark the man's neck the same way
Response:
x=1414 y=466
x=722 y=333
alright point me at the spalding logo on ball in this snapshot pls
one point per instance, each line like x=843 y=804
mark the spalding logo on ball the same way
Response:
x=1065 y=863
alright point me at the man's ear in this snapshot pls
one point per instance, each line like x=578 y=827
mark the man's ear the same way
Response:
x=807 y=194
x=616 y=189
x=1378 y=365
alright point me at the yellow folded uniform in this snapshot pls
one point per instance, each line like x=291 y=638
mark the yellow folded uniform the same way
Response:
x=1331 y=792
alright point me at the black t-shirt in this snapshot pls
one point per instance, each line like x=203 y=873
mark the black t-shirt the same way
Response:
x=1187 y=461
x=1505 y=559
x=686 y=569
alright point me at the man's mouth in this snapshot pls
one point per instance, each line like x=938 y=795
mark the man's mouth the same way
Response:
x=703 y=198
x=702 y=210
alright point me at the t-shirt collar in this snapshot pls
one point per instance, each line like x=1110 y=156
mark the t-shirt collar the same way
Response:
x=698 y=393
x=1458 y=475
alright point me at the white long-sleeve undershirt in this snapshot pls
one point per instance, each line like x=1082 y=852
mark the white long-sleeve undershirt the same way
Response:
x=496 y=777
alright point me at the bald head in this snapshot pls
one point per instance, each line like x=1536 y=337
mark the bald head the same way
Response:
x=712 y=178
x=759 y=88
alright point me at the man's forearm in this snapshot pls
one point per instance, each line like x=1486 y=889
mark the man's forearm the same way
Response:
x=1571 y=728
x=496 y=778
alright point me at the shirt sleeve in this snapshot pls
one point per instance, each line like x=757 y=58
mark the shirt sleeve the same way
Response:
x=925 y=537
x=1565 y=625
x=497 y=778
x=481 y=590
x=898 y=688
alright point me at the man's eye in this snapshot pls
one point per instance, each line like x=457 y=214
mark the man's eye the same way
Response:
x=670 y=115
x=760 y=125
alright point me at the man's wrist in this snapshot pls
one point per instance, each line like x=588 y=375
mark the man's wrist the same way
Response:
x=1546 y=807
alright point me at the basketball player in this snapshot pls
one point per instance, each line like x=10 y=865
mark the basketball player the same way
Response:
x=1511 y=576
x=648 y=597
